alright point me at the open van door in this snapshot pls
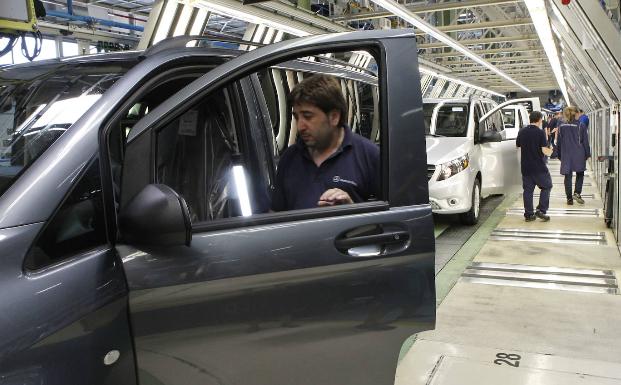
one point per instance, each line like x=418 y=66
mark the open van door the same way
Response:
x=532 y=104
x=306 y=297
x=504 y=153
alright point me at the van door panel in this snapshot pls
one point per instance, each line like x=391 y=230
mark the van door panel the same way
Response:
x=279 y=304
x=285 y=303
x=501 y=159
x=492 y=168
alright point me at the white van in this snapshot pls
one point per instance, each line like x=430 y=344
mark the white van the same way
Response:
x=469 y=154
x=515 y=114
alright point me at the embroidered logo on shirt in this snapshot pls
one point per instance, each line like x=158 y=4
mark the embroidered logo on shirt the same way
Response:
x=338 y=179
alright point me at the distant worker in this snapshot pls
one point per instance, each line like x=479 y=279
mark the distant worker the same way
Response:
x=553 y=129
x=584 y=119
x=533 y=144
x=328 y=164
x=573 y=151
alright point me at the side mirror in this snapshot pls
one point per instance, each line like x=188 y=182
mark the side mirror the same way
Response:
x=156 y=216
x=491 y=136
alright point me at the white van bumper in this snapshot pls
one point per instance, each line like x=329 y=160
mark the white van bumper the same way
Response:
x=452 y=195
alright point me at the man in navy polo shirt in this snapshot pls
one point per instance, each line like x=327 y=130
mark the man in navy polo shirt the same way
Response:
x=329 y=164
x=533 y=143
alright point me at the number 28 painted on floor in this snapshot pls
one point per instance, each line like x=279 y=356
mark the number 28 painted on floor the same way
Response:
x=508 y=359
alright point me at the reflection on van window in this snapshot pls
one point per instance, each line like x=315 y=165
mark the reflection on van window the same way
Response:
x=427 y=113
x=38 y=104
x=452 y=120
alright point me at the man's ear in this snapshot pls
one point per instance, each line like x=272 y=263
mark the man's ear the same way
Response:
x=334 y=117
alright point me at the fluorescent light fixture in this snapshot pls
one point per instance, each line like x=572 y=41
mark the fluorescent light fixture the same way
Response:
x=279 y=36
x=461 y=82
x=258 y=33
x=168 y=14
x=269 y=35
x=184 y=19
x=399 y=10
x=242 y=190
x=199 y=22
x=539 y=15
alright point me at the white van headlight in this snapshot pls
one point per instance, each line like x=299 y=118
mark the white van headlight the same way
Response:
x=451 y=168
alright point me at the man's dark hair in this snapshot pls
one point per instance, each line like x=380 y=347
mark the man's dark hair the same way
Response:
x=581 y=111
x=535 y=116
x=322 y=91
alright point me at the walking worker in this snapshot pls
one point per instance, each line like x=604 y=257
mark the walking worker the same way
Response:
x=553 y=128
x=573 y=151
x=584 y=119
x=533 y=144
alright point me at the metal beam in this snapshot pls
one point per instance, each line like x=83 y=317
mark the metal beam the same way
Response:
x=300 y=15
x=402 y=12
x=487 y=40
x=427 y=8
x=449 y=63
x=510 y=66
x=532 y=67
x=81 y=33
x=527 y=80
x=522 y=75
x=484 y=25
x=486 y=52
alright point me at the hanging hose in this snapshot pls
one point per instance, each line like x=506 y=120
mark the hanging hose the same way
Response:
x=9 y=46
x=38 y=40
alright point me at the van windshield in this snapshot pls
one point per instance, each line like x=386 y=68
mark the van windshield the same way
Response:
x=452 y=120
x=38 y=103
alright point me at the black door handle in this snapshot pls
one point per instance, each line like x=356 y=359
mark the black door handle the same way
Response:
x=373 y=239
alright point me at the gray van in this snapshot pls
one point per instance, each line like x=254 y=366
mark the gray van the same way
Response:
x=136 y=239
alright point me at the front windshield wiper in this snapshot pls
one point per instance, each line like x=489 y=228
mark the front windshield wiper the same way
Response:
x=435 y=135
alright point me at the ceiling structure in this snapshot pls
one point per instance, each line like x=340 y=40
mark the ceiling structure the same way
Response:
x=499 y=32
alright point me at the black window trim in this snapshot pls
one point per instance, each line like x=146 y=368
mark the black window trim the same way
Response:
x=77 y=255
x=290 y=216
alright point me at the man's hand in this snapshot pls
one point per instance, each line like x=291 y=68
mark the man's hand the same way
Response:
x=547 y=151
x=334 y=196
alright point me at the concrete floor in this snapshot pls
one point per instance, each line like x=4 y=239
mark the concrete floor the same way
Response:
x=584 y=328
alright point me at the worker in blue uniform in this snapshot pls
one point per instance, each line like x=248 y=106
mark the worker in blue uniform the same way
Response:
x=573 y=151
x=534 y=148
x=584 y=119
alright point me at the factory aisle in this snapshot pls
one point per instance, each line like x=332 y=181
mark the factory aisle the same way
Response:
x=536 y=300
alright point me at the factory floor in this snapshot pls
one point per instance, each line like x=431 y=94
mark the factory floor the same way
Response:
x=525 y=302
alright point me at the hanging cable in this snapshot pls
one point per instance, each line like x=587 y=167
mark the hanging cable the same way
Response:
x=38 y=43
x=9 y=45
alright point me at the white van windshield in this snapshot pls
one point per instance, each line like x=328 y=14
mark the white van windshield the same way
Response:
x=452 y=120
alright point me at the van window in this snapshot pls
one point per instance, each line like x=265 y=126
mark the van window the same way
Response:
x=223 y=154
x=509 y=118
x=200 y=156
x=452 y=120
x=39 y=103
x=368 y=110
x=77 y=226
x=494 y=122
